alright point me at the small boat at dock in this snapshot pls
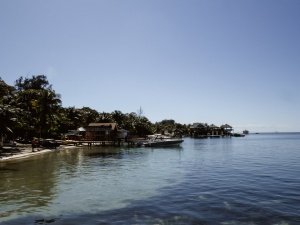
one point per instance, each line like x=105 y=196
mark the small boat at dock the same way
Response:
x=239 y=135
x=158 y=140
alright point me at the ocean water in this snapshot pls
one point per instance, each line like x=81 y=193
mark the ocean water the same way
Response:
x=239 y=180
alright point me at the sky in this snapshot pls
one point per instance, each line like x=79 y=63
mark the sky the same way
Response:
x=209 y=61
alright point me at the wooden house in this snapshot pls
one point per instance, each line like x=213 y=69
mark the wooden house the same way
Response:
x=101 y=131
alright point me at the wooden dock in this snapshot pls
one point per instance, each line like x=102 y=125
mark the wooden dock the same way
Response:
x=90 y=143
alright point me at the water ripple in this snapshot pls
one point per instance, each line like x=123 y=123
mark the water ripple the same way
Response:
x=251 y=180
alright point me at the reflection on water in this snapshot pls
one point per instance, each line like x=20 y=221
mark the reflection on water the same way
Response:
x=46 y=221
x=80 y=180
x=102 y=154
x=26 y=187
x=251 y=180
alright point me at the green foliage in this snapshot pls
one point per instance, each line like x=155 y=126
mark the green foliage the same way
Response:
x=6 y=92
x=33 y=108
x=39 y=103
x=38 y=82
x=9 y=114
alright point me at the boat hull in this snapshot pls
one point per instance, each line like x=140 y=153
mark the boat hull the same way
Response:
x=239 y=135
x=163 y=143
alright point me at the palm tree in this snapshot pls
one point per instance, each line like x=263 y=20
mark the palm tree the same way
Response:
x=38 y=82
x=48 y=105
x=9 y=114
x=9 y=118
x=36 y=97
x=130 y=122
x=118 y=117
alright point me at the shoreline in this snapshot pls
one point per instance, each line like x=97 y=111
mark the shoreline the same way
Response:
x=20 y=151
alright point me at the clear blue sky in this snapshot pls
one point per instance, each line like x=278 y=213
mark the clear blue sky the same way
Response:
x=210 y=61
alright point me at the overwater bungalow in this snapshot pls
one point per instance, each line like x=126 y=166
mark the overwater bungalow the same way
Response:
x=202 y=130
x=198 y=130
x=227 y=129
x=101 y=131
x=214 y=131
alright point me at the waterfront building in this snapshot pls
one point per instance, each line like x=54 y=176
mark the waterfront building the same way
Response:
x=214 y=130
x=227 y=129
x=203 y=130
x=101 y=131
x=198 y=130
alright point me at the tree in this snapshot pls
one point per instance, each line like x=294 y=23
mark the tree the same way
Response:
x=38 y=82
x=144 y=127
x=88 y=116
x=118 y=118
x=9 y=114
x=166 y=125
x=48 y=104
x=130 y=122
x=35 y=96
x=9 y=119
x=6 y=92
x=105 y=118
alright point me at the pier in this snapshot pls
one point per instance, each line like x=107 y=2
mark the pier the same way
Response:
x=90 y=143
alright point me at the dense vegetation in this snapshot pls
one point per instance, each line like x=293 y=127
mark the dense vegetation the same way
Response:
x=32 y=108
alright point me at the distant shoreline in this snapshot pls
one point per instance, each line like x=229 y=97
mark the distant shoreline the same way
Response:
x=21 y=151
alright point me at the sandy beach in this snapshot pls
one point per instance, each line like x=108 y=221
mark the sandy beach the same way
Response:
x=8 y=153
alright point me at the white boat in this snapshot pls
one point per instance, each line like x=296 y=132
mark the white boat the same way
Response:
x=158 y=140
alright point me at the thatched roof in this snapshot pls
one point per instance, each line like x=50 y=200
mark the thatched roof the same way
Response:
x=199 y=125
x=212 y=126
x=226 y=126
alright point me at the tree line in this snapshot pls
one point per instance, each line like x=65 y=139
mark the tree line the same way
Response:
x=32 y=108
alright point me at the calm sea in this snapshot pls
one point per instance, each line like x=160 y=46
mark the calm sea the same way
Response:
x=241 y=180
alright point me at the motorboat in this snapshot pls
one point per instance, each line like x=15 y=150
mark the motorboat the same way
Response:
x=158 y=140
x=238 y=135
